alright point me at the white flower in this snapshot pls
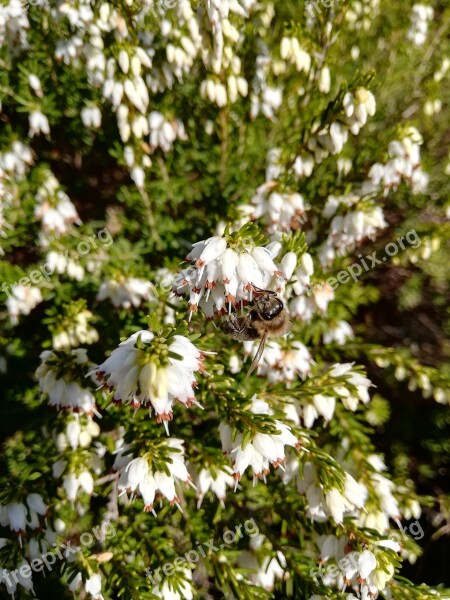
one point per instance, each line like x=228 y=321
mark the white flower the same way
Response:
x=339 y=333
x=262 y=450
x=93 y=586
x=91 y=116
x=137 y=174
x=224 y=273
x=21 y=301
x=64 y=393
x=25 y=581
x=323 y=295
x=285 y=363
x=288 y=264
x=163 y=133
x=38 y=124
x=366 y=563
x=71 y=485
x=36 y=503
x=325 y=406
x=138 y=476
x=137 y=471
x=215 y=479
x=420 y=16
x=17 y=517
x=35 y=84
x=141 y=381
x=271 y=569
x=325 y=80
x=126 y=292
x=86 y=482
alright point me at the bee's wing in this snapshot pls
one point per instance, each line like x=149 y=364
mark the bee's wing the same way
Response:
x=257 y=355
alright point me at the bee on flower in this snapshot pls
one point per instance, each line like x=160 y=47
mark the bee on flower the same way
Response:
x=224 y=272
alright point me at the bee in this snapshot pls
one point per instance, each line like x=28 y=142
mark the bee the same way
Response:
x=267 y=318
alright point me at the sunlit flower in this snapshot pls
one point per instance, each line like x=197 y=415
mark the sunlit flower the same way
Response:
x=146 y=370
x=138 y=476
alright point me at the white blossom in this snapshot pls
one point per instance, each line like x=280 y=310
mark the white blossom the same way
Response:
x=215 y=479
x=21 y=301
x=262 y=450
x=38 y=124
x=126 y=292
x=163 y=132
x=223 y=274
x=91 y=117
x=138 y=379
x=339 y=332
x=63 y=392
x=421 y=15
x=284 y=363
x=139 y=477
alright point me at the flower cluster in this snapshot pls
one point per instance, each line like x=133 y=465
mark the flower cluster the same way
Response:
x=358 y=385
x=265 y=572
x=262 y=450
x=357 y=107
x=348 y=227
x=338 y=333
x=361 y=571
x=362 y=14
x=225 y=269
x=78 y=433
x=284 y=363
x=182 y=590
x=212 y=478
x=92 y=585
x=421 y=15
x=80 y=461
x=60 y=375
x=281 y=211
x=21 y=301
x=54 y=209
x=153 y=371
x=62 y=264
x=321 y=503
x=18 y=516
x=142 y=476
x=125 y=292
x=163 y=132
x=76 y=332
x=404 y=164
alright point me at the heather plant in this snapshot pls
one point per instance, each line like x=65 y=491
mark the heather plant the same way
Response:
x=224 y=239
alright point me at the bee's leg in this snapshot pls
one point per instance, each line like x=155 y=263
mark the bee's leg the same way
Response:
x=231 y=325
x=240 y=328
